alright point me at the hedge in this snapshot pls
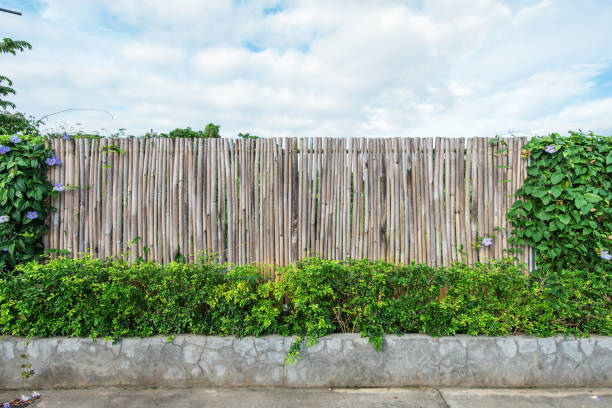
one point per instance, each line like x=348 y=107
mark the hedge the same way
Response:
x=88 y=297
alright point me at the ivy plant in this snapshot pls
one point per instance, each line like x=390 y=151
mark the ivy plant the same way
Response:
x=563 y=210
x=25 y=193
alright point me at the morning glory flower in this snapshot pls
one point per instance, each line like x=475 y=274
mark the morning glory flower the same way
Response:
x=32 y=215
x=65 y=136
x=15 y=139
x=52 y=161
x=5 y=249
x=59 y=187
x=4 y=149
x=487 y=242
x=550 y=149
x=6 y=405
x=606 y=255
x=3 y=219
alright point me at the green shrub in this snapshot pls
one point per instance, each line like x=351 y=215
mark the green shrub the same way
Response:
x=25 y=195
x=113 y=298
x=565 y=213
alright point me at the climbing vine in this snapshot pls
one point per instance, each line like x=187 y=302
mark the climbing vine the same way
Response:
x=564 y=208
x=25 y=194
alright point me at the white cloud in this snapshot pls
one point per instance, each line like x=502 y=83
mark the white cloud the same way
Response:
x=317 y=68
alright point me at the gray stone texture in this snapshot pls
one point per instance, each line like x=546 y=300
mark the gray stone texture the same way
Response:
x=342 y=360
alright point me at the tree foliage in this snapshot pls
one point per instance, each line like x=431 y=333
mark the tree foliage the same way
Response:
x=9 y=46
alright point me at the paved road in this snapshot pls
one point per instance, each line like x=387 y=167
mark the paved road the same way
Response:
x=319 y=398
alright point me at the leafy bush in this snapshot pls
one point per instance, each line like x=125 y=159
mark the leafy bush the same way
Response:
x=313 y=298
x=566 y=212
x=24 y=198
x=13 y=123
x=210 y=131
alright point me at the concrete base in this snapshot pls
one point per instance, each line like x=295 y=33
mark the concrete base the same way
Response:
x=342 y=360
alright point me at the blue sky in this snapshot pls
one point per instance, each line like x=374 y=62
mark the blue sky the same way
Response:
x=315 y=68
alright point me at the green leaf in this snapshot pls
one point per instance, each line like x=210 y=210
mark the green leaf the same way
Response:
x=565 y=219
x=545 y=216
x=556 y=191
x=592 y=197
x=556 y=178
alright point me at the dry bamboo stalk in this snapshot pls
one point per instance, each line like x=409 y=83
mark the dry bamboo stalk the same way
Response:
x=419 y=207
x=452 y=222
x=278 y=207
x=480 y=198
x=284 y=203
x=497 y=184
x=439 y=209
x=264 y=172
x=375 y=201
x=142 y=213
x=385 y=160
x=429 y=198
x=507 y=191
x=368 y=196
x=82 y=239
x=169 y=201
x=448 y=200
x=356 y=182
x=398 y=202
x=302 y=207
x=332 y=207
x=490 y=195
x=68 y=220
x=416 y=227
x=406 y=200
x=460 y=201
x=189 y=188
x=153 y=194
x=123 y=198
x=347 y=191
x=338 y=214
x=467 y=237
x=113 y=191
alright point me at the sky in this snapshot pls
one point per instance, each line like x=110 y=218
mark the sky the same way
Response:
x=330 y=68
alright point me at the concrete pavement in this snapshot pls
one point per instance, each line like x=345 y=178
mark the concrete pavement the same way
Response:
x=319 y=398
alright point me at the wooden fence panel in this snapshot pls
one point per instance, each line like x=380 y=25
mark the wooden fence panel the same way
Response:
x=276 y=201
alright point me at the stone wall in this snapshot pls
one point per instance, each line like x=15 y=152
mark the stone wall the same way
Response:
x=343 y=360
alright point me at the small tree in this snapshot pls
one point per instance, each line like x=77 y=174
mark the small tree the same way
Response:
x=9 y=46
x=211 y=131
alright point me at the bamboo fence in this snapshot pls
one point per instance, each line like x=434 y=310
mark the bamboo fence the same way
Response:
x=276 y=201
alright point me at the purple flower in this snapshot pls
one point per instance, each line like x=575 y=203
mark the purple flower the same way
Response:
x=25 y=398
x=550 y=149
x=35 y=394
x=65 y=136
x=59 y=187
x=606 y=255
x=487 y=242
x=6 y=405
x=5 y=249
x=3 y=219
x=15 y=139
x=4 y=149
x=32 y=215
x=52 y=161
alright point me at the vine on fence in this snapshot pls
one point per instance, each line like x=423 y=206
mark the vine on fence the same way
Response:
x=25 y=193
x=565 y=211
